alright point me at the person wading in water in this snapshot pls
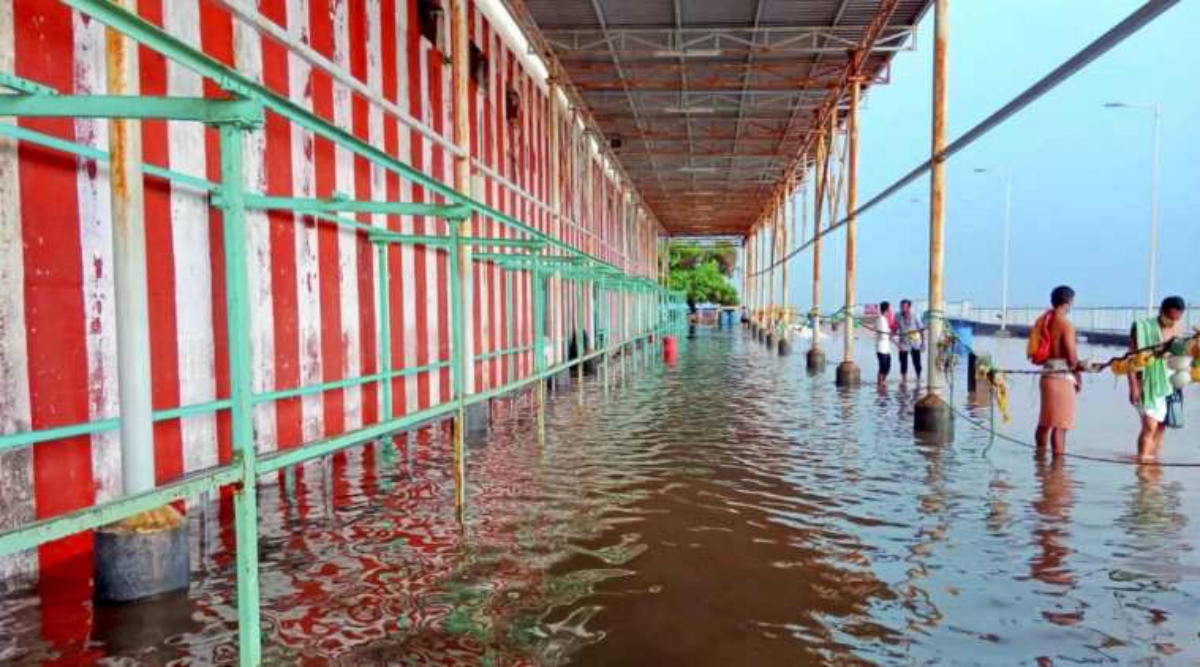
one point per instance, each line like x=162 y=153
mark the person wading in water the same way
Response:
x=908 y=327
x=1150 y=388
x=1052 y=346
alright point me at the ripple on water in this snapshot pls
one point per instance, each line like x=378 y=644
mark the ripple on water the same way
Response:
x=728 y=510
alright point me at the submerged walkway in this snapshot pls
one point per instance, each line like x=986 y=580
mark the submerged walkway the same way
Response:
x=728 y=510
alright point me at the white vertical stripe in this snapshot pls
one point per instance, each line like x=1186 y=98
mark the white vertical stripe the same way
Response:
x=308 y=279
x=408 y=300
x=248 y=58
x=378 y=175
x=16 y=468
x=96 y=244
x=447 y=176
x=432 y=258
x=343 y=117
x=193 y=266
x=483 y=269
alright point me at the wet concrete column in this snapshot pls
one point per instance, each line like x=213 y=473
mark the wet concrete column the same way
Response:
x=785 y=213
x=848 y=373
x=815 y=359
x=932 y=414
x=769 y=238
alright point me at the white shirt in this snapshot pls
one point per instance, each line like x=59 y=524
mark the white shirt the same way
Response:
x=883 y=336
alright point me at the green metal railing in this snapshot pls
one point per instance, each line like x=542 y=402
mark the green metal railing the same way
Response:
x=655 y=311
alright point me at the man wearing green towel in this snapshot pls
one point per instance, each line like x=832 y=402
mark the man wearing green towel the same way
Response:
x=1150 y=387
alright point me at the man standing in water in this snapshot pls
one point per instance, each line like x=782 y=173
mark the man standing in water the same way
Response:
x=883 y=342
x=1150 y=387
x=1055 y=339
x=909 y=330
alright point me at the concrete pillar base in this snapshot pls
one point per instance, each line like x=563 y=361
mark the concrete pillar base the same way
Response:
x=848 y=374
x=769 y=339
x=141 y=557
x=933 y=418
x=785 y=346
x=815 y=361
x=477 y=418
x=561 y=381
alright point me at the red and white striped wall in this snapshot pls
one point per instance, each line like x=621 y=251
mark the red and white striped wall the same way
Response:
x=313 y=300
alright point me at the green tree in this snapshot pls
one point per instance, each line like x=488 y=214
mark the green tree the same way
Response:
x=703 y=273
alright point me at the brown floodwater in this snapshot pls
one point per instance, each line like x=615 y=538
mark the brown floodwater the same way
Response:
x=729 y=510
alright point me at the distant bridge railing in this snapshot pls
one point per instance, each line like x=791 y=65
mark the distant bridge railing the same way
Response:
x=1102 y=319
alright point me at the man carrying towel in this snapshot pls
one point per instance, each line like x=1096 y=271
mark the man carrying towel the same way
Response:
x=1150 y=387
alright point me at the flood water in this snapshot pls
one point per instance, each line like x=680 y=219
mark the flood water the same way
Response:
x=729 y=510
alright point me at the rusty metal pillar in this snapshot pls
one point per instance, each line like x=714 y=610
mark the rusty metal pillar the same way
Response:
x=460 y=70
x=932 y=413
x=785 y=216
x=129 y=258
x=554 y=157
x=751 y=267
x=848 y=373
x=769 y=280
x=124 y=551
x=816 y=357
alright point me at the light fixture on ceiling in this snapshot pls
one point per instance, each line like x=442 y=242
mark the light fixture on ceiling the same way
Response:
x=689 y=53
x=689 y=110
x=698 y=170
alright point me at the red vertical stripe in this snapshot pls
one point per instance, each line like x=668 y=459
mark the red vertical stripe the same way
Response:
x=216 y=38
x=362 y=186
x=54 y=309
x=285 y=298
x=391 y=140
x=420 y=254
x=477 y=225
x=438 y=157
x=324 y=158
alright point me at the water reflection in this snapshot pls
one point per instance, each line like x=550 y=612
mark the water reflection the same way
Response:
x=727 y=510
x=1052 y=531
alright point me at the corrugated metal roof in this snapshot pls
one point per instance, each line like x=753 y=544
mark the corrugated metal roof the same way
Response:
x=714 y=99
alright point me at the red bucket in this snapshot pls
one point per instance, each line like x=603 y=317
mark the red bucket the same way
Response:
x=670 y=349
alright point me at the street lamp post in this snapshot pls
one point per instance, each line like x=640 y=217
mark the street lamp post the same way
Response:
x=1004 y=176
x=1157 y=147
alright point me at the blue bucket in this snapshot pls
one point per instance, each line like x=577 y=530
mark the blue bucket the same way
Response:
x=964 y=334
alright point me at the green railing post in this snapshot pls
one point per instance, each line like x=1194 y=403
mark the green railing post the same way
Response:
x=385 y=332
x=602 y=297
x=624 y=330
x=580 y=348
x=539 y=345
x=459 y=358
x=238 y=314
x=510 y=360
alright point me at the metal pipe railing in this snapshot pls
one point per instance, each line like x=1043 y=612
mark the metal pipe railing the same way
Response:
x=655 y=309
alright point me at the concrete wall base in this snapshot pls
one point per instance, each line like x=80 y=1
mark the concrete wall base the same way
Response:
x=478 y=418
